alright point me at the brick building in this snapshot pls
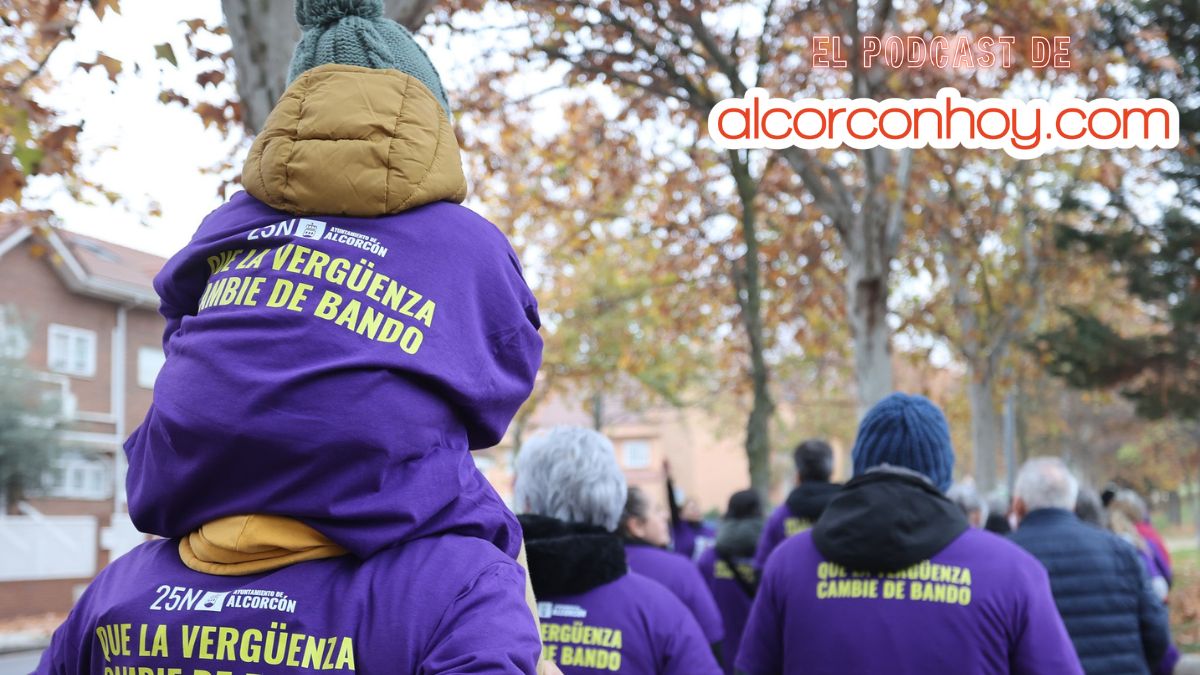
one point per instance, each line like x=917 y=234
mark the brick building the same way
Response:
x=705 y=450
x=82 y=315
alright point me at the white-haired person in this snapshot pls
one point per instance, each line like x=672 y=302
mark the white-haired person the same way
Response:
x=973 y=505
x=1110 y=609
x=595 y=613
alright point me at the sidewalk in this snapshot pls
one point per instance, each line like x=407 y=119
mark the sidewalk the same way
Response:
x=28 y=633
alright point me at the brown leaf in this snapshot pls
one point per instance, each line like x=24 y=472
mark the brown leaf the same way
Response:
x=102 y=6
x=12 y=180
x=212 y=77
x=167 y=53
x=211 y=115
x=113 y=66
x=52 y=9
x=170 y=96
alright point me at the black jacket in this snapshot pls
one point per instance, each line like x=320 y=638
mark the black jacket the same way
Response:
x=570 y=558
x=1101 y=589
x=886 y=520
x=808 y=500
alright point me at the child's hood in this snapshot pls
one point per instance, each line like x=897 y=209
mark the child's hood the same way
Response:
x=350 y=141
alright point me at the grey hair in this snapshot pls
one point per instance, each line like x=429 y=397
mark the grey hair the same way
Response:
x=1132 y=503
x=969 y=500
x=1089 y=508
x=571 y=473
x=1047 y=483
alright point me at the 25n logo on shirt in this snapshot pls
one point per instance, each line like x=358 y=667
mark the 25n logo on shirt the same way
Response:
x=181 y=598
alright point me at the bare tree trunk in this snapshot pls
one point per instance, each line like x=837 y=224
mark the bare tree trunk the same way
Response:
x=748 y=285
x=867 y=293
x=870 y=225
x=598 y=411
x=409 y=13
x=985 y=428
x=1174 y=508
x=1196 y=503
x=264 y=34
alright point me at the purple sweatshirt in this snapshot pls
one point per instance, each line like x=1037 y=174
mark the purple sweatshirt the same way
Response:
x=630 y=625
x=691 y=539
x=681 y=577
x=438 y=605
x=780 y=525
x=979 y=606
x=338 y=371
x=732 y=601
x=802 y=509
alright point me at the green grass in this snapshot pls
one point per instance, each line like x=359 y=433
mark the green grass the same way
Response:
x=1185 y=600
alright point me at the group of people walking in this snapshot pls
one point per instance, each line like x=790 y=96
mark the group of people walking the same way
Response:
x=884 y=574
x=306 y=464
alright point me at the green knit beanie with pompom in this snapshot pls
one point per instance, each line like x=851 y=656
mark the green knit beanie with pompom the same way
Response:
x=355 y=33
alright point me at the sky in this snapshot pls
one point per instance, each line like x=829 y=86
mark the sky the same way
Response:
x=135 y=146
x=150 y=153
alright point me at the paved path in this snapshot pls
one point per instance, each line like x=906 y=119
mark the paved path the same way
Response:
x=1181 y=543
x=21 y=663
x=1188 y=665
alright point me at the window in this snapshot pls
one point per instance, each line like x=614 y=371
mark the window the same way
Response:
x=636 y=454
x=71 y=351
x=14 y=343
x=150 y=361
x=77 y=476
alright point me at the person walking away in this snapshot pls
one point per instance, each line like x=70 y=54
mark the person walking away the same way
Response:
x=892 y=580
x=1130 y=518
x=597 y=615
x=973 y=505
x=728 y=568
x=1089 y=509
x=814 y=468
x=1114 y=617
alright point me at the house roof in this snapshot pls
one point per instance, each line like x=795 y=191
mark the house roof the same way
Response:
x=88 y=266
x=113 y=262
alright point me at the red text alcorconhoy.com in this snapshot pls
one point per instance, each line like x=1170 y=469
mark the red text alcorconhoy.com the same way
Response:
x=1023 y=129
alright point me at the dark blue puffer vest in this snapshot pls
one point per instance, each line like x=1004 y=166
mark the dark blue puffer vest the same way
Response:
x=1100 y=586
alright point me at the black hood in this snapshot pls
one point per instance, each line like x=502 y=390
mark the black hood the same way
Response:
x=885 y=521
x=809 y=500
x=570 y=558
x=738 y=537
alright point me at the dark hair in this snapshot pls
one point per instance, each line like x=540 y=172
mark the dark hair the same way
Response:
x=1088 y=507
x=814 y=460
x=636 y=506
x=1110 y=491
x=744 y=505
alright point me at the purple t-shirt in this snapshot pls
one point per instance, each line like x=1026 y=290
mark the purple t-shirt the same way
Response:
x=630 y=625
x=732 y=601
x=981 y=606
x=445 y=604
x=780 y=525
x=692 y=539
x=681 y=577
x=337 y=371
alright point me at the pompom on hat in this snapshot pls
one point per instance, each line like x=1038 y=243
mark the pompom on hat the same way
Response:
x=906 y=431
x=355 y=33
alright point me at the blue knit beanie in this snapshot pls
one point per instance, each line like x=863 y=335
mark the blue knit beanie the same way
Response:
x=906 y=431
x=355 y=33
